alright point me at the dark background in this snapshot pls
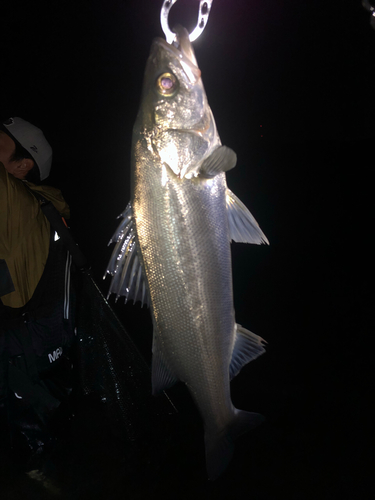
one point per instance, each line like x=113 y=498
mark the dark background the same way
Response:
x=291 y=85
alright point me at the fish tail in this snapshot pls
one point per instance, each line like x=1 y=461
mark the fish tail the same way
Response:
x=220 y=445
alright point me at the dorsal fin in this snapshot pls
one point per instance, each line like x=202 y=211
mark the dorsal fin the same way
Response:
x=124 y=266
x=162 y=375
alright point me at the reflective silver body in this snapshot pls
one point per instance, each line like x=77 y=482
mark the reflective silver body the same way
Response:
x=172 y=247
x=182 y=231
x=183 y=237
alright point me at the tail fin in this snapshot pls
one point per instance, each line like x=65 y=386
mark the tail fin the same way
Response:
x=220 y=445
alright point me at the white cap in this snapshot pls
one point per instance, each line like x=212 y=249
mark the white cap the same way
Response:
x=32 y=139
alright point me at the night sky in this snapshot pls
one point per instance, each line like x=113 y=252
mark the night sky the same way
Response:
x=291 y=86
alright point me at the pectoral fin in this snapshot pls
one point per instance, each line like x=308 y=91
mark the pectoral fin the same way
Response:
x=247 y=346
x=124 y=266
x=221 y=160
x=242 y=225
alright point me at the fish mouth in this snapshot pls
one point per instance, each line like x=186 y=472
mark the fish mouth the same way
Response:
x=182 y=49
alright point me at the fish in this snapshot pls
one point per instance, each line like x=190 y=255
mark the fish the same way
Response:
x=172 y=246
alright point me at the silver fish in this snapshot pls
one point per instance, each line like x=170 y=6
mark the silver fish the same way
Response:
x=173 y=245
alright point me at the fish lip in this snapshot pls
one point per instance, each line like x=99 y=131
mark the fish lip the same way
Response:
x=160 y=41
x=180 y=54
x=186 y=60
x=182 y=39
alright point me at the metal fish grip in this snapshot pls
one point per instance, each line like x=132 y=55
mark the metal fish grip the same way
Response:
x=203 y=14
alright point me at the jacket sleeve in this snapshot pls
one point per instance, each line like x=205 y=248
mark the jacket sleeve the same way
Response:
x=17 y=210
x=3 y=212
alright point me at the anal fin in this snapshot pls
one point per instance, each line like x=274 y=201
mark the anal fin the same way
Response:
x=247 y=347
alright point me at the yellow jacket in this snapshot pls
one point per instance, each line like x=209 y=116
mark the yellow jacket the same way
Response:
x=24 y=234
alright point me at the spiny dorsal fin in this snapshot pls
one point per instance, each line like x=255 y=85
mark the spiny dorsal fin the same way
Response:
x=124 y=266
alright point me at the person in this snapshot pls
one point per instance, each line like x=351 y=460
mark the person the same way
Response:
x=36 y=311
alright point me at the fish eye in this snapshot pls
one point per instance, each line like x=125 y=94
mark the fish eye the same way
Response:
x=166 y=84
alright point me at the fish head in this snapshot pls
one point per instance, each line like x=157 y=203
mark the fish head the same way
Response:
x=174 y=115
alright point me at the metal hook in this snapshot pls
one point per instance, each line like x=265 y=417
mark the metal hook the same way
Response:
x=204 y=12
